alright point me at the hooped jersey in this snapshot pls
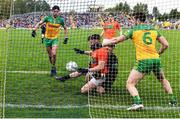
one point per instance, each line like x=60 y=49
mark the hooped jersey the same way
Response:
x=144 y=38
x=53 y=26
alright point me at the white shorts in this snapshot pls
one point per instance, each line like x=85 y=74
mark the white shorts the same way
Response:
x=105 y=42
x=96 y=82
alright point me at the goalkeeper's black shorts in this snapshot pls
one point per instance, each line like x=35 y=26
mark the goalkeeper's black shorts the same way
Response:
x=109 y=80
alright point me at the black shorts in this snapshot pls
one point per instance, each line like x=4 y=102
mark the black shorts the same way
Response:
x=109 y=80
x=43 y=30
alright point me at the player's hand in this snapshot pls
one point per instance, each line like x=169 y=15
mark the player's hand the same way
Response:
x=33 y=33
x=83 y=70
x=78 y=51
x=65 y=40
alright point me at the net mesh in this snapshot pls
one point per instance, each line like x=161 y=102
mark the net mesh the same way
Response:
x=28 y=91
x=5 y=7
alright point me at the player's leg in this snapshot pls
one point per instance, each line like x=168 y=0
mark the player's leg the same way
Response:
x=88 y=87
x=49 y=53
x=100 y=89
x=133 y=79
x=54 y=47
x=48 y=44
x=69 y=76
x=53 y=54
x=166 y=85
x=43 y=31
x=92 y=84
x=49 y=48
x=113 y=70
x=54 y=51
x=109 y=80
x=53 y=60
x=42 y=38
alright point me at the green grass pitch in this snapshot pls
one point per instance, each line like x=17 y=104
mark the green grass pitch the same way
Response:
x=32 y=93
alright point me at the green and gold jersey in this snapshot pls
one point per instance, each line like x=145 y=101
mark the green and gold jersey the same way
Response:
x=144 y=38
x=53 y=26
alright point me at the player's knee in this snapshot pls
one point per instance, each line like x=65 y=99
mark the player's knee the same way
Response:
x=100 y=89
x=164 y=81
x=160 y=77
x=129 y=83
x=53 y=52
x=82 y=90
x=54 y=56
x=85 y=89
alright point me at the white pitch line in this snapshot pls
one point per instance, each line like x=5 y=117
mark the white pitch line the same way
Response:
x=29 y=72
x=47 y=72
x=45 y=106
x=116 y=107
x=36 y=72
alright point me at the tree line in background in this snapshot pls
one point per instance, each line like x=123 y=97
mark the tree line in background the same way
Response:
x=8 y=7
x=125 y=8
x=26 y=6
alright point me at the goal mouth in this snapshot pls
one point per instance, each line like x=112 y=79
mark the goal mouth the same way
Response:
x=47 y=64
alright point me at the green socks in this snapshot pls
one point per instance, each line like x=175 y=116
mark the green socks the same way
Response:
x=172 y=98
x=137 y=100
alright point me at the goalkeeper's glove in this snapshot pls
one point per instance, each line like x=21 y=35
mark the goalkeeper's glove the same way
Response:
x=33 y=33
x=83 y=70
x=65 y=40
x=78 y=51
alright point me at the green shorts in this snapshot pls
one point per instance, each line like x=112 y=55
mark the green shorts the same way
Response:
x=148 y=65
x=51 y=42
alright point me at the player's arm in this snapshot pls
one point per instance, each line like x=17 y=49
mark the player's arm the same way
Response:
x=125 y=36
x=79 y=51
x=102 y=33
x=36 y=27
x=65 y=35
x=102 y=56
x=164 y=44
x=100 y=66
x=116 y=40
x=121 y=38
x=65 y=31
x=87 y=52
x=101 y=20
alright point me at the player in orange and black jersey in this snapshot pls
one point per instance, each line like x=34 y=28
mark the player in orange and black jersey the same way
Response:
x=102 y=70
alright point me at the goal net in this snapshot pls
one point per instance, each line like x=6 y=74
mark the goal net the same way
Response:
x=4 y=14
x=36 y=81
